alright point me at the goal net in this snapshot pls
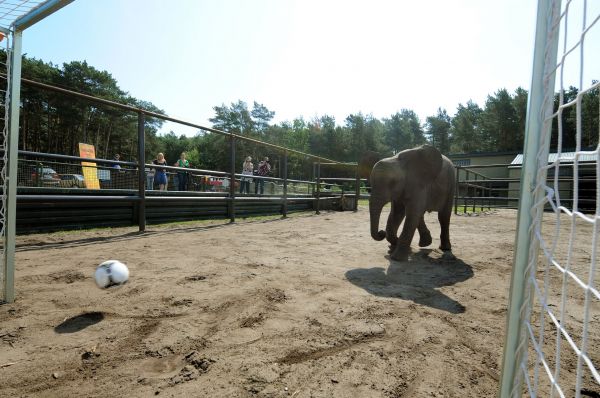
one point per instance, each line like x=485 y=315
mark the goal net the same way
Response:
x=4 y=117
x=552 y=346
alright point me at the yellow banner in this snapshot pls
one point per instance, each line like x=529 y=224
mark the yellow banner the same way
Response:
x=90 y=174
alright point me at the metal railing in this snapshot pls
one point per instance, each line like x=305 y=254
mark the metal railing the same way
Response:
x=130 y=175
x=476 y=190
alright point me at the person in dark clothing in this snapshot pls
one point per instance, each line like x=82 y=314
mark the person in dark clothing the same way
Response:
x=264 y=168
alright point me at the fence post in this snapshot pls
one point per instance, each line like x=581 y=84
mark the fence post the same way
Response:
x=467 y=191
x=141 y=174
x=357 y=189
x=482 y=192
x=231 y=205
x=318 y=186
x=285 y=184
x=39 y=169
x=475 y=193
x=456 y=193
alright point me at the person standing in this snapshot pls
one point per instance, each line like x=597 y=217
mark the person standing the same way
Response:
x=116 y=173
x=182 y=175
x=117 y=158
x=150 y=172
x=161 y=173
x=247 y=168
x=264 y=168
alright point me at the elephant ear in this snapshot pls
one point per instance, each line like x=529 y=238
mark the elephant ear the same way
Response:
x=427 y=162
x=366 y=163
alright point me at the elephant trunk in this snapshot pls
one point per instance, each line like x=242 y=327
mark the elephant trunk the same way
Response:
x=375 y=206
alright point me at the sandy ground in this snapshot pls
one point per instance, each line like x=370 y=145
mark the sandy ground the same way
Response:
x=309 y=306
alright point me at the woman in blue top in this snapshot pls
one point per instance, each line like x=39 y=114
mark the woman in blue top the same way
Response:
x=161 y=174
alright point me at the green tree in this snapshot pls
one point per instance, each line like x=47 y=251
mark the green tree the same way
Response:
x=261 y=117
x=590 y=123
x=465 y=129
x=567 y=116
x=402 y=131
x=520 y=106
x=499 y=123
x=57 y=123
x=234 y=119
x=438 y=129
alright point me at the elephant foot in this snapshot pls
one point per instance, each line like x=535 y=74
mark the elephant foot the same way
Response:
x=400 y=254
x=448 y=256
x=391 y=248
x=425 y=240
x=445 y=248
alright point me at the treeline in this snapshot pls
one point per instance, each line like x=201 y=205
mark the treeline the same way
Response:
x=55 y=123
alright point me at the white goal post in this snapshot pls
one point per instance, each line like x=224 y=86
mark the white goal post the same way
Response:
x=15 y=17
x=10 y=147
x=552 y=344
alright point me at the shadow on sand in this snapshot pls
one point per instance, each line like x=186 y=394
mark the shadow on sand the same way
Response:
x=415 y=280
x=79 y=322
x=73 y=240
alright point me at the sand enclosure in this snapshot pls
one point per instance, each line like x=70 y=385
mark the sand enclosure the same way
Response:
x=307 y=306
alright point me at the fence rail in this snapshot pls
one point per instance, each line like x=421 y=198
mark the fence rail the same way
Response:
x=53 y=194
x=52 y=172
x=477 y=190
x=41 y=175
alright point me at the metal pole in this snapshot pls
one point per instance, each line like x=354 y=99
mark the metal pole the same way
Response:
x=231 y=206
x=456 y=191
x=475 y=194
x=11 y=171
x=467 y=191
x=141 y=173
x=357 y=190
x=538 y=125
x=482 y=192
x=285 y=184
x=318 y=187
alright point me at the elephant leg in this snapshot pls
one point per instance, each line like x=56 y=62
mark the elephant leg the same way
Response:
x=444 y=219
x=402 y=249
x=424 y=234
x=393 y=223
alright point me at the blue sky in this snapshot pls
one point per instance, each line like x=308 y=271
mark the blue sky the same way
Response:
x=299 y=58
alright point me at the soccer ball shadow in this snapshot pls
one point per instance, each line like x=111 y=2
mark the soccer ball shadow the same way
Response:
x=79 y=322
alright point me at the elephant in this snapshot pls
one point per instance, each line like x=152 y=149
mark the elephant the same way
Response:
x=414 y=181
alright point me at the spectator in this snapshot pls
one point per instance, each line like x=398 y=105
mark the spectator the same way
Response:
x=116 y=173
x=150 y=172
x=182 y=175
x=161 y=173
x=247 y=168
x=264 y=168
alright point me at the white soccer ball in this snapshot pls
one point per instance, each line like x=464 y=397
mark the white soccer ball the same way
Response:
x=111 y=273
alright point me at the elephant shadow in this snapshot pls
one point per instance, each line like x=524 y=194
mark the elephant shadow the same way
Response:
x=415 y=280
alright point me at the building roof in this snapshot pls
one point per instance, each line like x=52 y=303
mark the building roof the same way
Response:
x=565 y=157
x=480 y=154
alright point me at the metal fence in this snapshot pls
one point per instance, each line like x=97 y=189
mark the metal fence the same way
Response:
x=54 y=173
x=53 y=194
x=44 y=170
x=476 y=191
